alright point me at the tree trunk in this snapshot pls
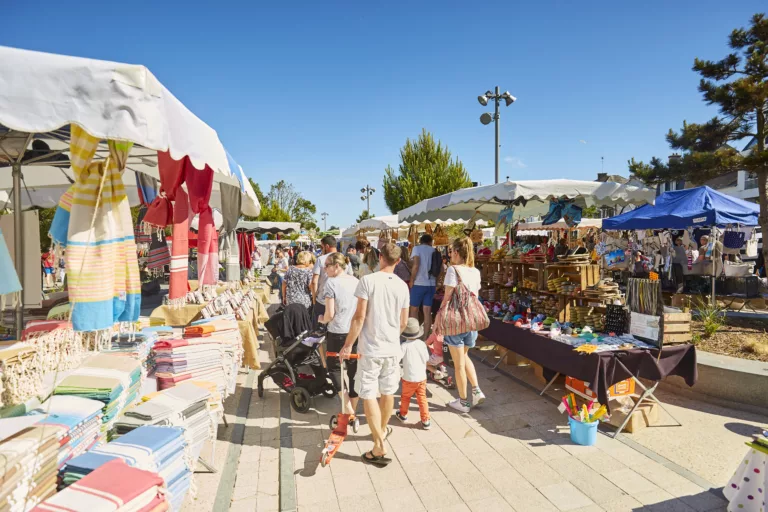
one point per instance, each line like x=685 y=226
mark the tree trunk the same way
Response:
x=762 y=187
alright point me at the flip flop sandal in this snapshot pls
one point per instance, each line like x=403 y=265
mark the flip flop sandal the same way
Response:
x=387 y=433
x=379 y=461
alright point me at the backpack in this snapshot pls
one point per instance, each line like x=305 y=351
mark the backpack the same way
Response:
x=463 y=313
x=436 y=265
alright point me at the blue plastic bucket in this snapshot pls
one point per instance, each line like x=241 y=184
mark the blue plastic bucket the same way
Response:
x=584 y=434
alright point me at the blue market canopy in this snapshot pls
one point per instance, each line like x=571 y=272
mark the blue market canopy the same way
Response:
x=680 y=209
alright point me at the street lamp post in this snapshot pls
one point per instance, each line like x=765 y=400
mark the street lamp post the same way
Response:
x=367 y=193
x=324 y=216
x=487 y=119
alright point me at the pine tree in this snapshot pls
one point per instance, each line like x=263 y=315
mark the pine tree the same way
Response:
x=363 y=216
x=426 y=170
x=738 y=85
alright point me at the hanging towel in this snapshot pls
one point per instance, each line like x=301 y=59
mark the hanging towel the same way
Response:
x=171 y=207
x=103 y=271
x=199 y=185
x=231 y=200
x=10 y=281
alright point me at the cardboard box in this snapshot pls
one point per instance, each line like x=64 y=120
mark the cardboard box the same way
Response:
x=646 y=415
x=581 y=388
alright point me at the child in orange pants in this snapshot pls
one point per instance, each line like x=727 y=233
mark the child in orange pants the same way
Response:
x=415 y=357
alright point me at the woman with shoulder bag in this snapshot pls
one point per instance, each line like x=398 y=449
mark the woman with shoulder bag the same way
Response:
x=460 y=317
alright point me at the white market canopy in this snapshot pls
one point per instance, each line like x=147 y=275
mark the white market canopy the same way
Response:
x=376 y=224
x=265 y=226
x=532 y=197
x=539 y=229
x=218 y=220
x=43 y=185
x=41 y=94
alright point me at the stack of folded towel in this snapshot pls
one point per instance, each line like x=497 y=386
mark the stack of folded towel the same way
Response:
x=81 y=420
x=29 y=464
x=151 y=448
x=138 y=345
x=112 y=379
x=186 y=405
x=114 y=486
x=224 y=329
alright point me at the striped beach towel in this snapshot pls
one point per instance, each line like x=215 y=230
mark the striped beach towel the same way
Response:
x=103 y=272
x=112 y=487
x=199 y=185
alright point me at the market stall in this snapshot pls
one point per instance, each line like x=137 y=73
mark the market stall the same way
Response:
x=678 y=223
x=102 y=371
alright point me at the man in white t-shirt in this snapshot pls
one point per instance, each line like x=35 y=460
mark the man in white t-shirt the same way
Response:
x=422 y=282
x=380 y=318
x=319 y=277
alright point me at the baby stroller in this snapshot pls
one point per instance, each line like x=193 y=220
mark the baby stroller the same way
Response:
x=296 y=350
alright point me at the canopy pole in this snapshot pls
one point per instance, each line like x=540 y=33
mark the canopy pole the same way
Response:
x=18 y=227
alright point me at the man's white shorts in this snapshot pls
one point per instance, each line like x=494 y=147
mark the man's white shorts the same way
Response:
x=377 y=375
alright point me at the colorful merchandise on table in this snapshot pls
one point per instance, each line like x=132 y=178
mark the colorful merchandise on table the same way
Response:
x=160 y=450
x=29 y=456
x=81 y=419
x=21 y=372
x=112 y=487
x=112 y=379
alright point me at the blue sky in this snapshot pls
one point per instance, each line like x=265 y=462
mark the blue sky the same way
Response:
x=324 y=94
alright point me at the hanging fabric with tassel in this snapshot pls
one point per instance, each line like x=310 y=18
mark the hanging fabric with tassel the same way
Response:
x=231 y=199
x=199 y=185
x=103 y=272
x=171 y=207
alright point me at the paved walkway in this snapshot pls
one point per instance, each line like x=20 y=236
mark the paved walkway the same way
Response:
x=512 y=453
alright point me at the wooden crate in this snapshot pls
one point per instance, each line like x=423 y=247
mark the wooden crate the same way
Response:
x=677 y=328
x=583 y=275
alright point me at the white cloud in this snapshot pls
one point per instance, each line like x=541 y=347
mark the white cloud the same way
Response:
x=582 y=141
x=515 y=162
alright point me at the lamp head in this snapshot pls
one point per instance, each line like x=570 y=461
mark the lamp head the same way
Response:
x=486 y=118
x=508 y=98
x=483 y=99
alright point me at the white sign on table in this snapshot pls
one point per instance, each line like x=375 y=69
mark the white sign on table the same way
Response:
x=644 y=326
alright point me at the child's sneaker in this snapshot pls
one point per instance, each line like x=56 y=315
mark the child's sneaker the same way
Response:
x=477 y=397
x=456 y=404
x=426 y=425
x=400 y=416
x=435 y=360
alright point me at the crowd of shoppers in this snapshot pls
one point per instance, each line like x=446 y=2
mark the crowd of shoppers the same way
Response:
x=370 y=300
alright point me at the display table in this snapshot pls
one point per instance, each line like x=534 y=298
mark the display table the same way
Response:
x=746 y=491
x=177 y=317
x=249 y=328
x=602 y=370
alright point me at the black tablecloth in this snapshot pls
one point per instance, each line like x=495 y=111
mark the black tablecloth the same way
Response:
x=602 y=370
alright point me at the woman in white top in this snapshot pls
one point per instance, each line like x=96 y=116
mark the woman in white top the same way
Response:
x=340 y=307
x=463 y=267
x=369 y=262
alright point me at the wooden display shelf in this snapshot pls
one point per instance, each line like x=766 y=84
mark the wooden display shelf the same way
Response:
x=584 y=275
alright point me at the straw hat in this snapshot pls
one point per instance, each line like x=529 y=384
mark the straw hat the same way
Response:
x=413 y=330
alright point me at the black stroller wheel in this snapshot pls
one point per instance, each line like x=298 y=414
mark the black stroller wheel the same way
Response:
x=300 y=400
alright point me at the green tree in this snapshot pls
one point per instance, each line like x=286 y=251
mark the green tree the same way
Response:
x=365 y=215
x=738 y=85
x=426 y=170
x=284 y=204
x=590 y=212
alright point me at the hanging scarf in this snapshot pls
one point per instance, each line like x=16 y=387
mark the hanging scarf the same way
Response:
x=104 y=285
x=171 y=207
x=245 y=253
x=199 y=185
x=231 y=200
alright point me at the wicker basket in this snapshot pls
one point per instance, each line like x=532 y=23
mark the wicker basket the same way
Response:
x=439 y=236
x=476 y=236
